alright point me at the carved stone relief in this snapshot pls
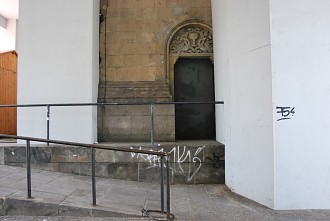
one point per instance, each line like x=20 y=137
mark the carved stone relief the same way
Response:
x=192 y=39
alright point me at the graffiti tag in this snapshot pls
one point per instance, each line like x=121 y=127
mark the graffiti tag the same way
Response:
x=285 y=112
x=179 y=155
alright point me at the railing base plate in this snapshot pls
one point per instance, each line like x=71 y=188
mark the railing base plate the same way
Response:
x=157 y=215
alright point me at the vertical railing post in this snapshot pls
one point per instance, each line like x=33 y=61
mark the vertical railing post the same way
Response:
x=102 y=121
x=168 y=191
x=152 y=124
x=93 y=177
x=48 y=122
x=28 y=168
x=162 y=183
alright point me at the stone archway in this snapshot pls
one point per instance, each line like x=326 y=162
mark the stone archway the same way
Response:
x=189 y=50
x=191 y=39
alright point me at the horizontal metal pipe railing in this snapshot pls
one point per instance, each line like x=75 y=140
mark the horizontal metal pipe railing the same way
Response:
x=109 y=104
x=96 y=146
x=151 y=103
x=162 y=155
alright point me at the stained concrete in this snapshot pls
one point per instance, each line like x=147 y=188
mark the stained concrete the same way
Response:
x=59 y=196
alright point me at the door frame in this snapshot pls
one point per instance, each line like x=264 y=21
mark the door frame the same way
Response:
x=202 y=49
x=193 y=124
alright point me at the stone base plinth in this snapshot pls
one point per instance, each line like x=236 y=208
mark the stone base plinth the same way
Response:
x=198 y=162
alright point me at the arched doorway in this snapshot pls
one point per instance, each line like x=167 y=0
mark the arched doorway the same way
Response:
x=189 y=72
x=194 y=82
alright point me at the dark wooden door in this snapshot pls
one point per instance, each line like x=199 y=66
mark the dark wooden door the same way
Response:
x=194 y=81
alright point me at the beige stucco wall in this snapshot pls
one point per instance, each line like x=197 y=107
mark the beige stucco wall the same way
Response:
x=133 y=35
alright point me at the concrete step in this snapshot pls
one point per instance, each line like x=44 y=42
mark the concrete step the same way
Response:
x=192 y=162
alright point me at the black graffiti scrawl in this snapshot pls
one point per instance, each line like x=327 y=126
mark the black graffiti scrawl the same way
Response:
x=285 y=113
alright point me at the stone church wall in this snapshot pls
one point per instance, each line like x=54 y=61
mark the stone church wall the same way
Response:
x=133 y=38
x=134 y=32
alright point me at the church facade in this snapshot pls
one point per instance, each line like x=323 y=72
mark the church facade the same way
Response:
x=271 y=69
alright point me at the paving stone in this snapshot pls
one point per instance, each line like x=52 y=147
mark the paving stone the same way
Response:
x=73 y=211
x=127 y=171
x=79 y=198
x=129 y=201
x=5 y=191
x=29 y=208
x=122 y=199
x=149 y=173
x=10 y=179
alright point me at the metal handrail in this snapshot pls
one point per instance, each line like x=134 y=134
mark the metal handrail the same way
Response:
x=162 y=155
x=152 y=104
x=109 y=103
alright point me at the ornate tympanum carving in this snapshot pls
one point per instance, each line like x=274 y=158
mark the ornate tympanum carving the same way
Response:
x=192 y=39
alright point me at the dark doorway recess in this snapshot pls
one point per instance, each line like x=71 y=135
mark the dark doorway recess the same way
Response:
x=194 y=81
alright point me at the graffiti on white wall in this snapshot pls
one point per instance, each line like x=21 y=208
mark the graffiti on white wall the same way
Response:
x=185 y=161
x=285 y=113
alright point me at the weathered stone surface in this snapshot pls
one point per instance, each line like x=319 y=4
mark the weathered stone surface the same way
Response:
x=133 y=123
x=105 y=213
x=133 y=39
x=164 y=110
x=141 y=125
x=41 y=154
x=15 y=154
x=76 y=168
x=74 y=211
x=71 y=154
x=212 y=172
x=2 y=209
x=149 y=173
x=125 y=171
x=190 y=162
x=117 y=125
x=183 y=173
x=2 y=156
x=29 y=208
x=126 y=110
x=164 y=128
x=109 y=156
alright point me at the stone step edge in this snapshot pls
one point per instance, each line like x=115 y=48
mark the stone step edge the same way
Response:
x=32 y=207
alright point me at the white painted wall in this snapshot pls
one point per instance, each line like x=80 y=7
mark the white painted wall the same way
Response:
x=282 y=164
x=8 y=36
x=301 y=79
x=58 y=63
x=243 y=81
x=3 y=22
